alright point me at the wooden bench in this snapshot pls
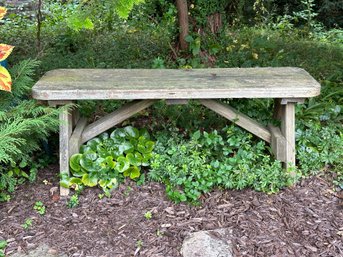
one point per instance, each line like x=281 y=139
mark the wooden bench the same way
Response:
x=287 y=86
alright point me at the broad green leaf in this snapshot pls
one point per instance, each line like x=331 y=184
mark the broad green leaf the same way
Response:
x=87 y=161
x=76 y=181
x=90 y=155
x=110 y=162
x=85 y=148
x=135 y=159
x=79 y=173
x=118 y=134
x=24 y=174
x=144 y=133
x=125 y=147
x=196 y=135
x=3 y=243
x=93 y=143
x=64 y=183
x=131 y=132
x=146 y=148
x=133 y=172
x=104 y=136
x=103 y=183
x=122 y=164
x=75 y=162
x=90 y=181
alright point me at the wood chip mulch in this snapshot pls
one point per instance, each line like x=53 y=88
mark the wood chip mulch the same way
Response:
x=306 y=220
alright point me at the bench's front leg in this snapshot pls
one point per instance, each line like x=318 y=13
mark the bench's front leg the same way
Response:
x=288 y=131
x=66 y=128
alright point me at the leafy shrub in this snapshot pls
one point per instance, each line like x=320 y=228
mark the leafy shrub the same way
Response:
x=107 y=159
x=23 y=126
x=195 y=166
x=318 y=147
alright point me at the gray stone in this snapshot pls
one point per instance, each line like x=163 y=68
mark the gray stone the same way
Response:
x=40 y=251
x=211 y=243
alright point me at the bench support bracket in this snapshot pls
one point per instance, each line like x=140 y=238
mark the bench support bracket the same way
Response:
x=238 y=118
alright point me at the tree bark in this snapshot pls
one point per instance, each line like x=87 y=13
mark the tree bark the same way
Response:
x=182 y=10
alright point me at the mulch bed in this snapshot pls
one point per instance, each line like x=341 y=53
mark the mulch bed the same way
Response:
x=306 y=220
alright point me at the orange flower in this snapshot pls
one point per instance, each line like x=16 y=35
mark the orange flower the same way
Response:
x=5 y=80
x=3 y=12
x=5 y=51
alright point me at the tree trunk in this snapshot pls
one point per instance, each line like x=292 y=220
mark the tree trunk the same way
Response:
x=182 y=10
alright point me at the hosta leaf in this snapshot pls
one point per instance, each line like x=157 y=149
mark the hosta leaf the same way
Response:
x=64 y=183
x=90 y=155
x=79 y=173
x=3 y=12
x=93 y=143
x=76 y=181
x=84 y=148
x=118 y=134
x=135 y=159
x=133 y=172
x=144 y=133
x=122 y=164
x=5 y=51
x=103 y=183
x=90 y=181
x=104 y=136
x=5 y=80
x=131 y=132
x=87 y=161
x=75 y=162
x=146 y=148
x=110 y=162
x=125 y=147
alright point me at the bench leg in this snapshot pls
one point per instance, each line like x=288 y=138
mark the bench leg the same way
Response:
x=288 y=131
x=66 y=127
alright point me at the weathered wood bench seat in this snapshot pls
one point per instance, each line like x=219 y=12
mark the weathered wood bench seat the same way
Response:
x=287 y=86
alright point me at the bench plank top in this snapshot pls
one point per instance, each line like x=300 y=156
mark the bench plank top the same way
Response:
x=93 y=84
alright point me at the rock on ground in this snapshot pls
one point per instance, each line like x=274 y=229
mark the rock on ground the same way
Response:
x=40 y=251
x=210 y=243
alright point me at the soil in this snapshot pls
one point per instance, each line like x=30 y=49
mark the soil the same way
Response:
x=305 y=220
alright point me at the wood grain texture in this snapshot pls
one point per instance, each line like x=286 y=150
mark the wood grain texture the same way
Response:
x=76 y=84
x=288 y=130
x=278 y=143
x=75 y=139
x=65 y=133
x=238 y=118
x=114 y=118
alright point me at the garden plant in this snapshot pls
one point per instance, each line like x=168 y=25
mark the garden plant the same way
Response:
x=188 y=148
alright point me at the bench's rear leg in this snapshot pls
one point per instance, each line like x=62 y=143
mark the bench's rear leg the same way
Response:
x=66 y=127
x=288 y=131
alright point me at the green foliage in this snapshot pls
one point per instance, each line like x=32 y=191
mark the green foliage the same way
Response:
x=39 y=208
x=148 y=215
x=27 y=224
x=235 y=160
x=73 y=201
x=23 y=126
x=3 y=244
x=319 y=147
x=107 y=159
